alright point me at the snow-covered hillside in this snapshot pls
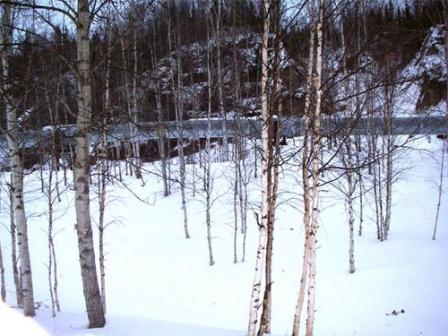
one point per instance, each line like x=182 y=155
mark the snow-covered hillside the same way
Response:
x=240 y=50
x=425 y=77
x=159 y=283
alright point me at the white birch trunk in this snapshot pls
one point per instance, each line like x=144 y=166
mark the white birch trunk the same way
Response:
x=347 y=156
x=81 y=173
x=389 y=157
x=14 y=259
x=305 y=181
x=349 y=202
x=178 y=107
x=16 y=168
x=50 y=238
x=255 y=302
x=103 y=171
x=235 y=209
x=101 y=229
x=314 y=224
x=52 y=262
x=208 y=164
x=274 y=165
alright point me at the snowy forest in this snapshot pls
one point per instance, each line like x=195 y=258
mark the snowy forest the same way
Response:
x=223 y=167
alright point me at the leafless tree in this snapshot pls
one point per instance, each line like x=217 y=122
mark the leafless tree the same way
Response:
x=262 y=226
x=275 y=107
x=52 y=261
x=219 y=73
x=14 y=259
x=305 y=175
x=16 y=165
x=315 y=156
x=161 y=139
x=177 y=87
x=440 y=186
x=81 y=170
x=208 y=187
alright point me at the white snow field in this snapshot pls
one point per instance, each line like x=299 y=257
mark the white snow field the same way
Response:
x=159 y=283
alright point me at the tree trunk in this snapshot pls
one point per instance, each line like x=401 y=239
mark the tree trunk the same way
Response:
x=349 y=202
x=235 y=209
x=305 y=182
x=52 y=262
x=208 y=164
x=274 y=165
x=14 y=259
x=50 y=240
x=177 y=88
x=389 y=158
x=16 y=168
x=104 y=170
x=347 y=156
x=130 y=108
x=222 y=112
x=314 y=224
x=92 y=294
x=101 y=228
x=161 y=137
x=265 y=192
x=134 y=120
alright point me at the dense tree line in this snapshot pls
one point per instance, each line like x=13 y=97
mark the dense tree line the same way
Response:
x=41 y=58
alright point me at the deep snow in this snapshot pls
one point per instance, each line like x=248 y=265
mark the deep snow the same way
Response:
x=158 y=283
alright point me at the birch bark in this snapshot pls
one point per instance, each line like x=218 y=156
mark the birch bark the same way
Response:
x=314 y=223
x=262 y=238
x=305 y=180
x=81 y=169
x=16 y=166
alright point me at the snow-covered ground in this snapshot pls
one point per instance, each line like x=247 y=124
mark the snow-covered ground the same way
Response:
x=159 y=283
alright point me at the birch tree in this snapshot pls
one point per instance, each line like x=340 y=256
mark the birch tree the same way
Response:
x=208 y=164
x=103 y=166
x=161 y=136
x=81 y=16
x=92 y=294
x=52 y=261
x=439 y=190
x=177 y=87
x=15 y=163
x=305 y=178
x=347 y=150
x=262 y=226
x=130 y=107
x=315 y=159
x=242 y=174
x=273 y=156
x=14 y=258
x=219 y=71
